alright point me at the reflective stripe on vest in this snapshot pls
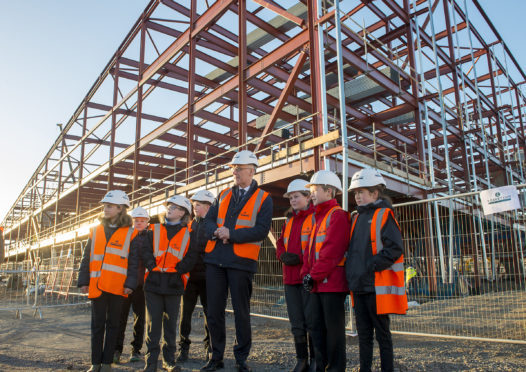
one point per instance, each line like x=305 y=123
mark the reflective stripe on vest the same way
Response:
x=109 y=260
x=246 y=219
x=169 y=253
x=389 y=284
x=306 y=229
x=321 y=234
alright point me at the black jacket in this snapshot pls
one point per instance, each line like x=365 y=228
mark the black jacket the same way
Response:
x=133 y=262
x=361 y=264
x=198 y=242
x=223 y=254
x=166 y=283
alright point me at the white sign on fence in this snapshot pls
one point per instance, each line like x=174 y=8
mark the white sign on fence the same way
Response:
x=501 y=199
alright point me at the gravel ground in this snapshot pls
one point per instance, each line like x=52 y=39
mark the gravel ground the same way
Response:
x=60 y=342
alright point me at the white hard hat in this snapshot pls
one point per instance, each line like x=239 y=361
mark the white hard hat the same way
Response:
x=140 y=212
x=203 y=196
x=366 y=177
x=296 y=185
x=244 y=157
x=116 y=197
x=181 y=201
x=325 y=177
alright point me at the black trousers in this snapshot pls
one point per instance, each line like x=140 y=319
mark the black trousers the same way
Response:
x=105 y=315
x=161 y=316
x=368 y=323
x=218 y=282
x=326 y=320
x=194 y=289
x=136 y=302
x=294 y=297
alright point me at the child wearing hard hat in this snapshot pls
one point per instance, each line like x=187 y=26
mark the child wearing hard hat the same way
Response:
x=323 y=272
x=290 y=248
x=136 y=299
x=108 y=273
x=374 y=267
x=196 y=288
x=168 y=259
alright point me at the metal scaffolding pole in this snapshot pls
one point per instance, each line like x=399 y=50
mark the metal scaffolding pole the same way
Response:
x=343 y=115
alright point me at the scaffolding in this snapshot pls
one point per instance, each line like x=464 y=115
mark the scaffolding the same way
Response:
x=428 y=92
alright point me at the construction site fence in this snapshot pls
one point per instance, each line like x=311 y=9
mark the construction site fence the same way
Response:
x=465 y=273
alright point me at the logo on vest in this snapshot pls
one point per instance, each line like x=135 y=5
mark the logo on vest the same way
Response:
x=174 y=246
x=116 y=243
x=244 y=214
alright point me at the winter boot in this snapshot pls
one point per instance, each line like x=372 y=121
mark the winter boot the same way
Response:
x=302 y=354
x=135 y=356
x=182 y=356
x=94 y=368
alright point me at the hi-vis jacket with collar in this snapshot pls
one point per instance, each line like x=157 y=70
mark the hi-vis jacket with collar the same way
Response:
x=375 y=257
x=295 y=238
x=107 y=264
x=328 y=244
x=248 y=221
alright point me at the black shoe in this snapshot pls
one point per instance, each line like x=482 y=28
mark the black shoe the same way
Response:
x=243 y=367
x=182 y=356
x=302 y=365
x=213 y=365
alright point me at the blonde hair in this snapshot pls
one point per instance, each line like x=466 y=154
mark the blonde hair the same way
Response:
x=332 y=189
x=381 y=192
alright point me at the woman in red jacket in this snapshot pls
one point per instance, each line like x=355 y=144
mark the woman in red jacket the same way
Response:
x=290 y=247
x=323 y=272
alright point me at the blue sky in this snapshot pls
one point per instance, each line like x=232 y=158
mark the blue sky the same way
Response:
x=52 y=52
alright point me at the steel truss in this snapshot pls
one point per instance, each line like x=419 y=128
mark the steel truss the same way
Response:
x=429 y=92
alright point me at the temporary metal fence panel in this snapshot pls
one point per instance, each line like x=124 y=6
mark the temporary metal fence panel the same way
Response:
x=477 y=292
x=42 y=283
x=465 y=273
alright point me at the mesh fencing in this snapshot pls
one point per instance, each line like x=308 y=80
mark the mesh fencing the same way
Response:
x=36 y=283
x=465 y=273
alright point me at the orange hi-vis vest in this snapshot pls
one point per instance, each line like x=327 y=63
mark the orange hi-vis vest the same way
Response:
x=319 y=237
x=169 y=253
x=246 y=219
x=389 y=284
x=306 y=229
x=109 y=260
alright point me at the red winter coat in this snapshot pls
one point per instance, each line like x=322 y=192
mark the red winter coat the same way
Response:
x=327 y=275
x=292 y=274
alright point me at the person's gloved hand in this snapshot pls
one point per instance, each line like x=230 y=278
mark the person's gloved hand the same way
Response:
x=308 y=283
x=290 y=259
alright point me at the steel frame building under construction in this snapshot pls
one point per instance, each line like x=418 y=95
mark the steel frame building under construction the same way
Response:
x=429 y=93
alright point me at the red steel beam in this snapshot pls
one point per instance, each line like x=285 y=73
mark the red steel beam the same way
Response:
x=270 y=5
x=282 y=99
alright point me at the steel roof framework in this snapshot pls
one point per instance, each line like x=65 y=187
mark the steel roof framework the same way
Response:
x=427 y=95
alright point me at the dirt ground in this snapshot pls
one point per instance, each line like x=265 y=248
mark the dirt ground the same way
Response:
x=60 y=342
